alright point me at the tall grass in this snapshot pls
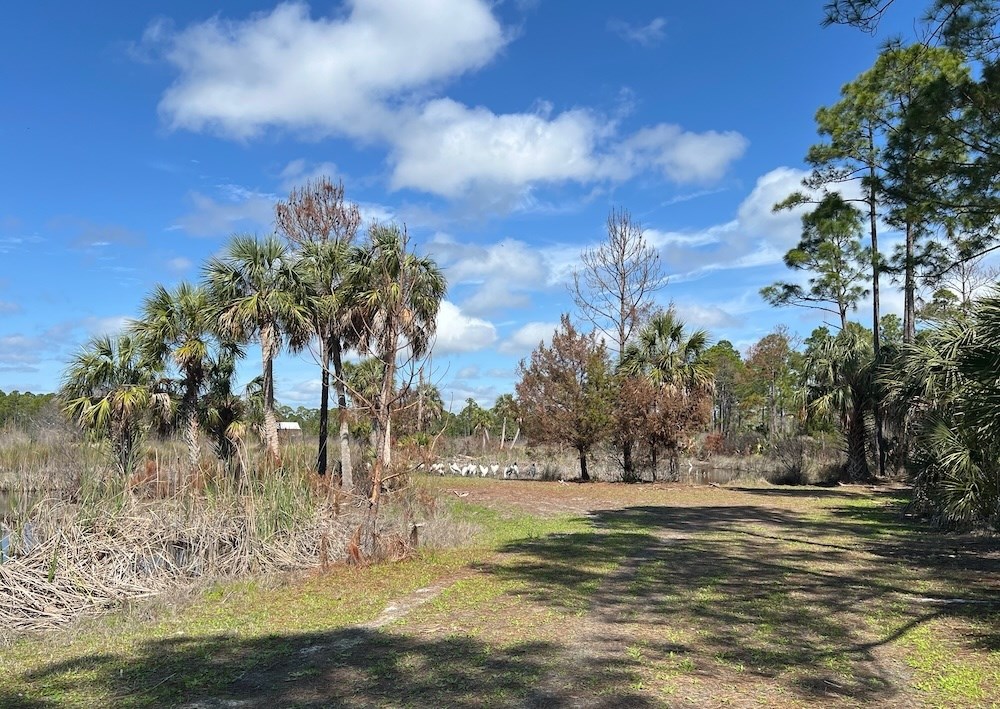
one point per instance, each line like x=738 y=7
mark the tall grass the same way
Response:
x=78 y=536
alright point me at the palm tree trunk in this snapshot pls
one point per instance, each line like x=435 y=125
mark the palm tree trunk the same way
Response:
x=346 y=470
x=857 y=461
x=191 y=430
x=267 y=348
x=324 y=406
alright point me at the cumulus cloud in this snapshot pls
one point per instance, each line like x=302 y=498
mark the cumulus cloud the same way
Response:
x=450 y=146
x=680 y=155
x=284 y=68
x=528 y=337
x=502 y=274
x=646 y=35
x=705 y=316
x=458 y=332
x=757 y=236
x=371 y=75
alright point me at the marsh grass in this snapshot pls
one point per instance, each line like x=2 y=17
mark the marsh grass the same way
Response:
x=77 y=538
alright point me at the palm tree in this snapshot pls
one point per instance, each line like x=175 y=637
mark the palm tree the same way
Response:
x=323 y=266
x=110 y=388
x=226 y=416
x=668 y=359
x=395 y=296
x=946 y=380
x=257 y=296
x=667 y=355
x=176 y=327
x=840 y=381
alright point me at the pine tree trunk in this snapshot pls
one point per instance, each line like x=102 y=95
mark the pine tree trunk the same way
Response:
x=584 y=475
x=876 y=325
x=909 y=287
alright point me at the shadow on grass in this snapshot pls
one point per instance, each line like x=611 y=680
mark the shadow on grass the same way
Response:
x=808 y=600
x=726 y=594
x=348 y=668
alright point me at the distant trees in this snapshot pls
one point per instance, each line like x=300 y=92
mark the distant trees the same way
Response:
x=564 y=391
x=20 y=408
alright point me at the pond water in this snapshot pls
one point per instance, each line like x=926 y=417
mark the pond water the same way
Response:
x=11 y=502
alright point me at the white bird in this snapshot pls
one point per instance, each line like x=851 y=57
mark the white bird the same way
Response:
x=483 y=470
x=455 y=469
x=494 y=468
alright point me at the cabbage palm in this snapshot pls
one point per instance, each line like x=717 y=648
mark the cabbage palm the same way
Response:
x=666 y=362
x=395 y=297
x=176 y=327
x=257 y=296
x=667 y=355
x=323 y=268
x=840 y=378
x=110 y=388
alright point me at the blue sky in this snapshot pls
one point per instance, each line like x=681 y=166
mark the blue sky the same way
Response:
x=137 y=137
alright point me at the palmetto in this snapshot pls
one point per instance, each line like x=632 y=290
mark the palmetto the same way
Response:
x=949 y=382
x=840 y=371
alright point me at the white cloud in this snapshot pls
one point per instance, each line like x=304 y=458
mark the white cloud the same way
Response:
x=372 y=74
x=681 y=155
x=758 y=236
x=179 y=264
x=709 y=317
x=298 y=172
x=238 y=209
x=9 y=307
x=502 y=273
x=110 y=325
x=528 y=337
x=284 y=68
x=449 y=147
x=647 y=35
x=457 y=332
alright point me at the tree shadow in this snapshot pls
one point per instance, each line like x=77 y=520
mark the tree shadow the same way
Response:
x=345 y=668
x=772 y=593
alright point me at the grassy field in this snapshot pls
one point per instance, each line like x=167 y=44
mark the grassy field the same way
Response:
x=575 y=595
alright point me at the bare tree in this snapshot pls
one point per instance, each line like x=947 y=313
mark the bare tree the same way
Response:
x=318 y=221
x=614 y=289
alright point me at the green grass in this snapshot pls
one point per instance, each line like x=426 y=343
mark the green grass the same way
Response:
x=724 y=597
